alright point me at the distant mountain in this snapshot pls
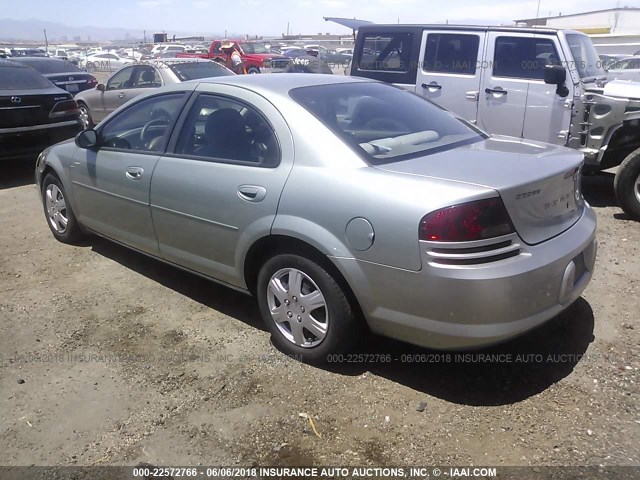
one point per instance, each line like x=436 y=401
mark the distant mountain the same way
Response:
x=33 y=31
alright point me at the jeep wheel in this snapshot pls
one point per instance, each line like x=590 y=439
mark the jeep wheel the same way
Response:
x=627 y=185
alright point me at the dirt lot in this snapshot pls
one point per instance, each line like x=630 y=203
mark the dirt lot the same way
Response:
x=108 y=357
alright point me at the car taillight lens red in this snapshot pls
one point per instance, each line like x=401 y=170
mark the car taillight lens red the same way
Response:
x=64 y=108
x=467 y=222
x=92 y=82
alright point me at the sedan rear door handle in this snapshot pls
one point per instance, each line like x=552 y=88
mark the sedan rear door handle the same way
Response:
x=134 y=173
x=252 y=193
x=122 y=95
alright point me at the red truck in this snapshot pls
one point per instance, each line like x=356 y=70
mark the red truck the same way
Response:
x=255 y=55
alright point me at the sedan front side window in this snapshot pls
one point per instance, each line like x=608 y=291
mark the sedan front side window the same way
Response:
x=144 y=126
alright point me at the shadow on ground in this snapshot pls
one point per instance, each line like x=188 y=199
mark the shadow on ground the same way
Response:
x=17 y=173
x=515 y=371
x=598 y=189
x=223 y=299
x=500 y=375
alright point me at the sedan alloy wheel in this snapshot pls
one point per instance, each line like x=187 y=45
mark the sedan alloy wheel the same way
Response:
x=56 y=207
x=298 y=307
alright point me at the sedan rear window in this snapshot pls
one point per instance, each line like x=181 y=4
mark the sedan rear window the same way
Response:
x=52 y=66
x=383 y=123
x=196 y=70
x=22 y=78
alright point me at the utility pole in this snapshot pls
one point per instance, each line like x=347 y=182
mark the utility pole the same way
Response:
x=46 y=41
x=145 y=36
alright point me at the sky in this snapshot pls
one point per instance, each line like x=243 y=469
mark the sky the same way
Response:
x=270 y=17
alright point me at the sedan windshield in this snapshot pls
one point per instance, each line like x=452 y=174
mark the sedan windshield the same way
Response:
x=196 y=70
x=384 y=123
x=586 y=58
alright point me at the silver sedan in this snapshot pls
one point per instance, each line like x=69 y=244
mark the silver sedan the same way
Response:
x=342 y=204
x=138 y=78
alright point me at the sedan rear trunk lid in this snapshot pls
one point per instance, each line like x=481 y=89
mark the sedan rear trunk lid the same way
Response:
x=24 y=108
x=539 y=183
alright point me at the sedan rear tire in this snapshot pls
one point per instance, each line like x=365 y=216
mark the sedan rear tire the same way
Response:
x=57 y=210
x=627 y=185
x=305 y=309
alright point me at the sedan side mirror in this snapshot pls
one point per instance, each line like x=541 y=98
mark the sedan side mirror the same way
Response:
x=101 y=87
x=87 y=139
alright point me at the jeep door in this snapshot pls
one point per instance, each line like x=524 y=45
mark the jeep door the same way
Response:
x=450 y=70
x=514 y=100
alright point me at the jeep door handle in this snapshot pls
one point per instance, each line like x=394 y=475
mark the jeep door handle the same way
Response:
x=252 y=193
x=432 y=86
x=134 y=173
x=495 y=91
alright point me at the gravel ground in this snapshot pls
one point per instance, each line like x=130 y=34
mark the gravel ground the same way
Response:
x=109 y=357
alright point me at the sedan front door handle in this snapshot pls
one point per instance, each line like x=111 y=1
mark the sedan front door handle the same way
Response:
x=252 y=193
x=122 y=95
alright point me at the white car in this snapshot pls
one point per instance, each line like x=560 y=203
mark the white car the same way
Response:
x=103 y=62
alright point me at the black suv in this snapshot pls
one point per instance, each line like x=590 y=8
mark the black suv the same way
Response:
x=34 y=113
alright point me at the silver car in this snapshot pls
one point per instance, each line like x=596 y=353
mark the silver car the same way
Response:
x=340 y=203
x=138 y=78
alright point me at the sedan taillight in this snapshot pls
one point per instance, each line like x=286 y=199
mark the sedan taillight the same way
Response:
x=467 y=222
x=92 y=82
x=64 y=109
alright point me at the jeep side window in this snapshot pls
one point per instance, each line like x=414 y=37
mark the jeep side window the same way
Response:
x=523 y=57
x=451 y=53
x=391 y=52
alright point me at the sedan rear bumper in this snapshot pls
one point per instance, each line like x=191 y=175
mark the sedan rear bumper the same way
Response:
x=458 y=307
x=28 y=142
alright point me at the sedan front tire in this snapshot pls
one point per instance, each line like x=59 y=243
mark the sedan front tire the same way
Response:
x=60 y=217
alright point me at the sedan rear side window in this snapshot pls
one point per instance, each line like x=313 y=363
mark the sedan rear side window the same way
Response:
x=224 y=130
x=451 y=53
x=382 y=123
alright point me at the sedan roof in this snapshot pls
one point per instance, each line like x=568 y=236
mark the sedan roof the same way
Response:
x=281 y=83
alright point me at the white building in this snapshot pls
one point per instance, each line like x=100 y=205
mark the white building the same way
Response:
x=615 y=30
